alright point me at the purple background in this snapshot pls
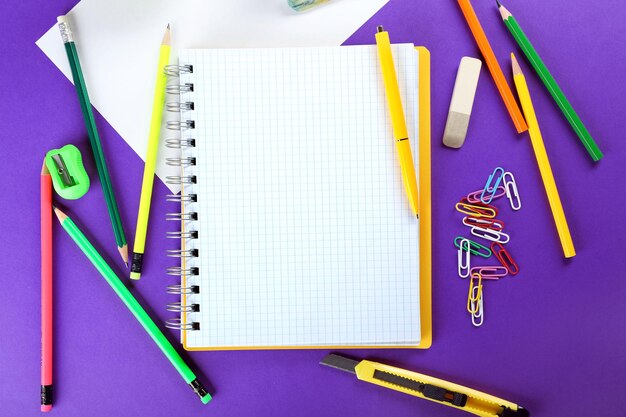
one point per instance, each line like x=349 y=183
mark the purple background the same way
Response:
x=554 y=337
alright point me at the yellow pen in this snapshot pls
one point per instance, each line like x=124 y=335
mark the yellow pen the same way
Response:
x=400 y=133
x=543 y=161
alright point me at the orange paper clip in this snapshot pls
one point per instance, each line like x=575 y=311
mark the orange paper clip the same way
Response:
x=505 y=258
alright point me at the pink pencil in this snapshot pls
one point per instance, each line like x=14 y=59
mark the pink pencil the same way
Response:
x=46 y=289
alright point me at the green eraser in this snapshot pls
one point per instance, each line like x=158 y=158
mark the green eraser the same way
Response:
x=69 y=178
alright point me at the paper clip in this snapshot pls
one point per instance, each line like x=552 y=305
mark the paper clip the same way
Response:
x=491 y=187
x=490 y=272
x=490 y=234
x=475 y=247
x=475 y=294
x=475 y=196
x=505 y=258
x=493 y=224
x=476 y=210
x=479 y=316
x=512 y=194
x=464 y=260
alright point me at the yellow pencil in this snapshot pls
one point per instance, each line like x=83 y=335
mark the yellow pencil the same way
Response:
x=151 y=159
x=543 y=162
x=400 y=132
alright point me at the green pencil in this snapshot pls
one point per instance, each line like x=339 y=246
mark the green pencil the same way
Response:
x=550 y=83
x=133 y=305
x=94 y=137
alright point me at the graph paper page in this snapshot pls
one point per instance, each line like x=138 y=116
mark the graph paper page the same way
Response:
x=305 y=233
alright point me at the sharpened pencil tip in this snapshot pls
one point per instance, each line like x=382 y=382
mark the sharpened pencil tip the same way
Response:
x=516 y=67
x=499 y=4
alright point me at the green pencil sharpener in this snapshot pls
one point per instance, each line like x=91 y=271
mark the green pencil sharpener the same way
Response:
x=69 y=178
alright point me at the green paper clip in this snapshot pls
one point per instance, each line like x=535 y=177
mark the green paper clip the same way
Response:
x=69 y=178
x=475 y=247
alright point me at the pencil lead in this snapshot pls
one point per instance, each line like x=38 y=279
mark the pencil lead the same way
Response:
x=168 y=26
x=499 y=4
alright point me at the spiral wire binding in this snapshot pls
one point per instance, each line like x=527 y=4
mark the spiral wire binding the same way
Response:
x=186 y=290
x=180 y=143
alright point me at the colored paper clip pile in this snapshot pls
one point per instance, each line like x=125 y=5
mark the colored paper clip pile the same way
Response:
x=480 y=217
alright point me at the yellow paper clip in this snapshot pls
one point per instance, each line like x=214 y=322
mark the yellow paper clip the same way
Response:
x=475 y=293
x=475 y=210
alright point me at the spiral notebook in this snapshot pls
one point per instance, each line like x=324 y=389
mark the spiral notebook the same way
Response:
x=296 y=229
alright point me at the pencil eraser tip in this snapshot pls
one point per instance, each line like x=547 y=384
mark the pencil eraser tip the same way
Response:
x=62 y=19
x=135 y=275
x=46 y=408
x=206 y=399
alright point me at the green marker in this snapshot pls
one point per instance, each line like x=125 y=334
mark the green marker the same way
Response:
x=548 y=80
x=133 y=305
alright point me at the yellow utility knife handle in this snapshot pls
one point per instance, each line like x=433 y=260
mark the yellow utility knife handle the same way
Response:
x=478 y=403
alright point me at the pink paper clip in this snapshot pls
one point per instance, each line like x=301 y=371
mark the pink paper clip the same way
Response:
x=475 y=196
x=505 y=258
x=490 y=272
x=493 y=224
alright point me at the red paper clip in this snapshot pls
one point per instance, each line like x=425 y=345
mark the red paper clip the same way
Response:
x=505 y=258
x=493 y=224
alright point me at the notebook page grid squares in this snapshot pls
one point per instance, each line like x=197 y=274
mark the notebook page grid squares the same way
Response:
x=306 y=237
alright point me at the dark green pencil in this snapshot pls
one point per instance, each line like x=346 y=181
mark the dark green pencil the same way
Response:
x=94 y=138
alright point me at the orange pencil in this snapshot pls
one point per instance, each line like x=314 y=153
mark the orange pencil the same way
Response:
x=494 y=67
x=46 y=289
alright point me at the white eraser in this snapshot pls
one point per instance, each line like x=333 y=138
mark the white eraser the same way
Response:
x=462 y=102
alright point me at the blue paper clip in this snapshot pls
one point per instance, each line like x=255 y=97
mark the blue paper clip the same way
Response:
x=491 y=187
x=511 y=191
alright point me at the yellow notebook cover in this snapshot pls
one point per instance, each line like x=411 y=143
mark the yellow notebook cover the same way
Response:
x=425 y=308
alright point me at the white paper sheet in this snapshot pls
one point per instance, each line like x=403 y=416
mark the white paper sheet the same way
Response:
x=118 y=44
